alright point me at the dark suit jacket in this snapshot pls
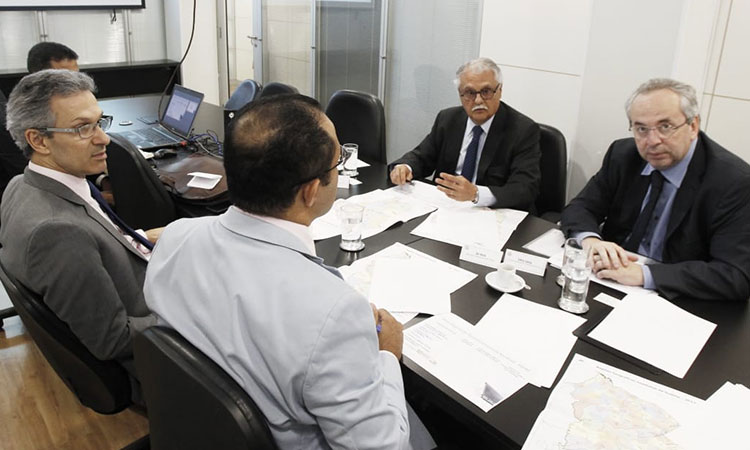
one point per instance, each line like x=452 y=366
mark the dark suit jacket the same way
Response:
x=509 y=165
x=12 y=161
x=707 y=247
x=55 y=244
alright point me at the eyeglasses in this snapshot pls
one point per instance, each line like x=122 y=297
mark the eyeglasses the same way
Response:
x=663 y=130
x=84 y=131
x=343 y=158
x=485 y=93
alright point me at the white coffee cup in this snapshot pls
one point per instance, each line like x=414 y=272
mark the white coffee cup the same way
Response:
x=505 y=275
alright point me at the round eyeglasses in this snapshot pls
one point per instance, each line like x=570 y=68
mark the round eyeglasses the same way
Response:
x=485 y=93
x=343 y=157
x=663 y=130
x=84 y=131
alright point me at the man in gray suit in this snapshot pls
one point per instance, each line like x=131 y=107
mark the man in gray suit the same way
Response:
x=248 y=290
x=56 y=240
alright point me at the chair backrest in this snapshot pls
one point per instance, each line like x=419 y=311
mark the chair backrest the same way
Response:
x=141 y=200
x=359 y=118
x=192 y=403
x=553 y=166
x=275 y=88
x=103 y=386
x=245 y=93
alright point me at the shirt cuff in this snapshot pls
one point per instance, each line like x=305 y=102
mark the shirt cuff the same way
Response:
x=485 y=196
x=648 y=279
x=581 y=235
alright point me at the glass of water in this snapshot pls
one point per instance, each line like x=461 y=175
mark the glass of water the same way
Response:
x=351 y=216
x=350 y=159
x=576 y=270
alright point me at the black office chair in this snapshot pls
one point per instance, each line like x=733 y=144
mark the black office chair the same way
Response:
x=553 y=164
x=192 y=403
x=141 y=199
x=245 y=93
x=359 y=118
x=275 y=88
x=103 y=386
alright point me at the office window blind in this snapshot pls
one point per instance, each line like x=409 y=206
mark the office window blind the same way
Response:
x=92 y=34
x=18 y=32
x=427 y=41
x=148 y=37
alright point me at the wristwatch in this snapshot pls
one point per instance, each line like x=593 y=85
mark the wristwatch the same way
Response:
x=476 y=197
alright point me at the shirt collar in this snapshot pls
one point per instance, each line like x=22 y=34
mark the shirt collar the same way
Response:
x=485 y=126
x=676 y=173
x=300 y=231
x=78 y=185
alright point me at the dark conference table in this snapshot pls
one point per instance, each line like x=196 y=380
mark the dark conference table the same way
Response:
x=726 y=355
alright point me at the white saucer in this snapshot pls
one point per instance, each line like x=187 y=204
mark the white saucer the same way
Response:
x=518 y=284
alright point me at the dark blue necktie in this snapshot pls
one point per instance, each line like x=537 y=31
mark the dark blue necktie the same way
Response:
x=470 y=161
x=116 y=219
x=641 y=224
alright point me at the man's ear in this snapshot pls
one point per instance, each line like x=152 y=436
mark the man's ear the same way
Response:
x=37 y=141
x=309 y=192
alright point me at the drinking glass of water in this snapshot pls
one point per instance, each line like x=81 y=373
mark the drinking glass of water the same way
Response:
x=351 y=216
x=576 y=270
x=350 y=152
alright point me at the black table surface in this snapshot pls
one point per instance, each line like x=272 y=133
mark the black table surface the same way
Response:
x=724 y=358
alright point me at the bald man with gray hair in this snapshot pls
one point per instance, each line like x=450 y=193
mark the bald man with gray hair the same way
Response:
x=483 y=151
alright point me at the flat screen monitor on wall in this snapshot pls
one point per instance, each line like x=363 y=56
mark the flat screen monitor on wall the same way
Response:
x=71 y=4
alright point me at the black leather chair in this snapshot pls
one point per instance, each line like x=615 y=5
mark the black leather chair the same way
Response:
x=141 y=199
x=103 y=386
x=246 y=92
x=554 y=163
x=359 y=118
x=192 y=403
x=275 y=88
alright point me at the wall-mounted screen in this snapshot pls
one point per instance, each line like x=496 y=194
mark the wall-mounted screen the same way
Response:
x=71 y=4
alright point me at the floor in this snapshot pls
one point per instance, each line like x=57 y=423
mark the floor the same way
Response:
x=37 y=411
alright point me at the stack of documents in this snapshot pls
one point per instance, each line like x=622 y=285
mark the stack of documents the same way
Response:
x=382 y=210
x=430 y=195
x=483 y=227
x=597 y=406
x=656 y=331
x=403 y=280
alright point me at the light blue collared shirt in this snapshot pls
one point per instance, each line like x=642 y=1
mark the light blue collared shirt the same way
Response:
x=653 y=242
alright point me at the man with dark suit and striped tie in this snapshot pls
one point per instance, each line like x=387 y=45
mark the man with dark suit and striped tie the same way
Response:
x=482 y=151
x=58 y=236
x=672 y=194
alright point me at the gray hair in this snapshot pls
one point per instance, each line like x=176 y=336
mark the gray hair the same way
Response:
x=477 y=66
x=688 y=99
x=29 y=102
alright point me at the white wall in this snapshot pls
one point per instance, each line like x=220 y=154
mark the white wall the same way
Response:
x=200 y=71
x=573 y=64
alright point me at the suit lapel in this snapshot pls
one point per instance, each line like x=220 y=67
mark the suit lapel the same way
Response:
x=60 y=190
x=492 y=143
x=686 y=193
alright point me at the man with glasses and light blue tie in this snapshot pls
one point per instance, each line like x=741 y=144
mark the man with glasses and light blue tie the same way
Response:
x=483 y=151
x=672 y=194
x=59 y=238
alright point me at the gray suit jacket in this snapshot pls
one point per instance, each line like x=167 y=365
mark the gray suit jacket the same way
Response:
x=292 y=333
x=88 y=274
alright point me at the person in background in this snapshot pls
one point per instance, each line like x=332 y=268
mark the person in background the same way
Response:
x=483 y=151
x=51 y=55
x=672 y=194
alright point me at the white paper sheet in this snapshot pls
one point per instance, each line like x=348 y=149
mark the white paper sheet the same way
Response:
x=382 y=210
x=445 y=276
x=720 y=423
x=654 y=330
x=403 y=285
x=537 y=336
x=488 y=228
x=429 y=194
x=447 y=347
x=597 y=406
x=548 y=243
x=202 y=180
